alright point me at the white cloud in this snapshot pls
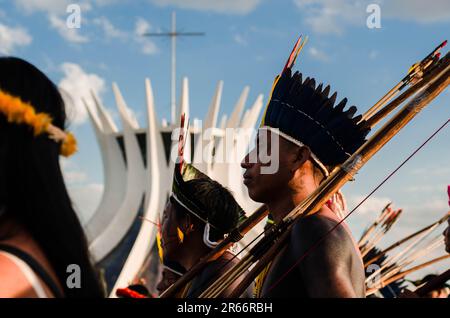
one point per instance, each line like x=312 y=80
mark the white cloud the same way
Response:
x=56 y=11
x=331 y=16
x=48 y=6
x=13 y=37
x=373 y=54
x=417 y=10
x=86 y=199
x=78 y=84
x=109 y=29
x=334 y=16
x=84 y=193
x=148 y=46
x=142 y=26
x=74 y=177
x=433 y=205
x=57 y=17
x=60 y=6
x=239 y=39
x=69 y=34
x=65 y=163
x=72 y=174
x=432 y=171
x=239 y=7
x=133 y=116
x=259 y=58
x=372 y=205
x=102 y=3
x=436 y=188
x=318 y=54
x=267 y=31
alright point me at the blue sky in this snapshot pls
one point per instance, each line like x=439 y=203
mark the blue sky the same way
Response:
x=246 y=43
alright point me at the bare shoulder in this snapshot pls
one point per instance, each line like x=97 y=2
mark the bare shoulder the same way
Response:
x=13 y=283
x=211 y=272
x=320 y=224
x=221 y=265
x=327 y=258
x=321 y=232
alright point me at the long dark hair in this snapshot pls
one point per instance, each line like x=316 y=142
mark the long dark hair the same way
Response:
x=32 y=189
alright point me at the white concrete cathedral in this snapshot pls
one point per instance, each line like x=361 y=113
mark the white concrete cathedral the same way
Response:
x=138 y=175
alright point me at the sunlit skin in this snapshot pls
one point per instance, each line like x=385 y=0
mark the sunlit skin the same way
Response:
x=190 y=251
x=293 y=181
x=334 y=267
x=167 y=279
x=13 y=282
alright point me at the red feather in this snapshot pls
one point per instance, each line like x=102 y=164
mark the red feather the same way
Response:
x=291 y=60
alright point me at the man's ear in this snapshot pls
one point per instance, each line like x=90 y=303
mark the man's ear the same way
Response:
x=301 y=155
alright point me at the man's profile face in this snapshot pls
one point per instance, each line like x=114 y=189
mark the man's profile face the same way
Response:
x=169 y=238
x=263 y=186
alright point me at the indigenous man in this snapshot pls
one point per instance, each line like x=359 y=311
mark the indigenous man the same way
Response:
x=200 y=212
x=308 y=136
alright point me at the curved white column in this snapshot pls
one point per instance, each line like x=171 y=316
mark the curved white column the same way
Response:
x=229 y=172
x=114 y=171
x=241 y=192
x=249 y=121
x=223 y=122
x=203 y=145
x=135 y=186
x=156 y=193
x=236 y=115
x=211 y=117
x=225 y=146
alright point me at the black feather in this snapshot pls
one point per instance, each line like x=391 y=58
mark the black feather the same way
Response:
x=306 y=113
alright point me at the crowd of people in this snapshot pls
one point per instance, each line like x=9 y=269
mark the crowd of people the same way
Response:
x=41 y=235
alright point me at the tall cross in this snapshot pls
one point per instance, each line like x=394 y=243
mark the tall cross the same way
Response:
x=173 y=35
